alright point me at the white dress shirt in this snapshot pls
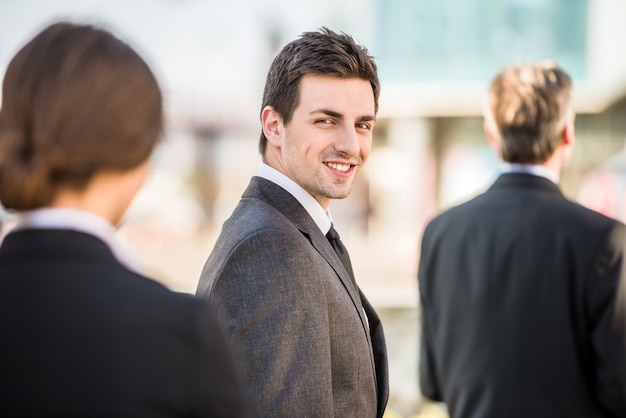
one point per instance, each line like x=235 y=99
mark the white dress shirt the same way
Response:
x=536 y=170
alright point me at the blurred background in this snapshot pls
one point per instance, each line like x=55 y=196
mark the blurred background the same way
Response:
x=435 y=61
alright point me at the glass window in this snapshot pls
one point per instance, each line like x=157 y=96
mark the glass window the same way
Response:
x=470 y=40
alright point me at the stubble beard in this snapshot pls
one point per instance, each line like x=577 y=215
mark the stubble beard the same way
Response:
x=321 y=187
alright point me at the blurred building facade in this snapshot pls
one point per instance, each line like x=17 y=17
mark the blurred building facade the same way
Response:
x=435 y=61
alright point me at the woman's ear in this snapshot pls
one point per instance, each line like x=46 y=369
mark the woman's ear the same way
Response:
x=272 y=125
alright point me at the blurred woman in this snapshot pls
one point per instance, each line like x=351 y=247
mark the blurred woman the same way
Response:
x=83 y=332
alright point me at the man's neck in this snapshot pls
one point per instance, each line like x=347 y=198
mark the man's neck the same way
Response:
x=320 y=216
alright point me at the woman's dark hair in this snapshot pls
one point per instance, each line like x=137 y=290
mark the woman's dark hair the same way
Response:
x=75 y=101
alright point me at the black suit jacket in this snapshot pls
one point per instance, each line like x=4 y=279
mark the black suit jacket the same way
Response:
x=83 y=336
x=519 y=294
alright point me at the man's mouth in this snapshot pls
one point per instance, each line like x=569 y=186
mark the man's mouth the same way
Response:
x=339 y=167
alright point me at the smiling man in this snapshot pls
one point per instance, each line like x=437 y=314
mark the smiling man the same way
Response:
x=308 y=339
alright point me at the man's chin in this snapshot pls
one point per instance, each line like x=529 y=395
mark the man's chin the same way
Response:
x=339 y=195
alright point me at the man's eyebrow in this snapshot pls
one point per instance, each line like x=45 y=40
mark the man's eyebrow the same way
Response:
x=328 y=112
x=332 y=113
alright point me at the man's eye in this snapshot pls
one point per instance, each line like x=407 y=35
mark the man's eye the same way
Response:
x=363 y=126
x=324 y=121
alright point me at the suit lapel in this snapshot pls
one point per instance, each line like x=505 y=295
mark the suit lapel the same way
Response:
x=379 y=354
x=321 y=244
x=289 y=206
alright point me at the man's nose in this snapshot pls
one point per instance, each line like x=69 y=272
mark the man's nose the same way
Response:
x=347 y=141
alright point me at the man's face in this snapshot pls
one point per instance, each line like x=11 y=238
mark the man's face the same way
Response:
x=329 y=137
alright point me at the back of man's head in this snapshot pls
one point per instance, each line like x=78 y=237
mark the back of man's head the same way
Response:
x=529 y=106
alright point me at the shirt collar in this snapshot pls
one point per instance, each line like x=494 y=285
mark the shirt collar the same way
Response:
x=536 y=170
x=312 y=206
x=81 y=221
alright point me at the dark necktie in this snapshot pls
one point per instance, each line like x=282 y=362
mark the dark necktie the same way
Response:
x=333 y=238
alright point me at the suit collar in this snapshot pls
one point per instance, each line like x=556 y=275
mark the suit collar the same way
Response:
x=81 y=221
x=74 y=246
x=279 y=198
x=288 y=206
x=536 y=169
x=307 y=201
x=525 y=181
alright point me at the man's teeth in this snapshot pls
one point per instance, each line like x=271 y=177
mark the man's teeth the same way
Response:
x=339 y=167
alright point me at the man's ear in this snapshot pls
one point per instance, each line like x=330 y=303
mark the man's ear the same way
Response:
x=493 y=137
x=568 y=135
x=272 y=125
x=568 y=138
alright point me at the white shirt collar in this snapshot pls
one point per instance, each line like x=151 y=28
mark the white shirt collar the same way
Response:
x=537 y=170
x=312 y=206
x=81 y=221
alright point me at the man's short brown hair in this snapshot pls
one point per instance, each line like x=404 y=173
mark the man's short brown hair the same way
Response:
x=529 y=105
x=317 y=53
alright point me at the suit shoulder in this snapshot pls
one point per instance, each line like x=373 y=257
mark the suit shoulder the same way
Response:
x=146 y=294
x=576 y=215
x=456 y=211
x=253 y=221
x=253 y=236
x=257 y=214
x=259 y=246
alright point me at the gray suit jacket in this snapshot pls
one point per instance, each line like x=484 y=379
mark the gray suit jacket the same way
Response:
x=292 y=312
